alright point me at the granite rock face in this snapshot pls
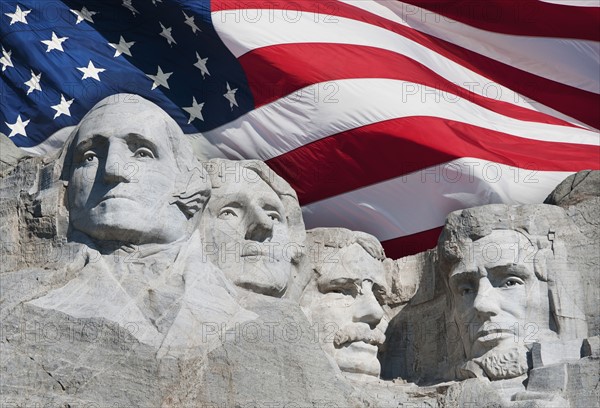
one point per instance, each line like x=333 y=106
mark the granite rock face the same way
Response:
x=134 y=275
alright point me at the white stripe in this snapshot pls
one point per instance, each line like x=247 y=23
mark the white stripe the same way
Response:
x=421 y=201
x=575 y=3
x=292 y=122
x=242 y=34
x=568 y=61
x=52 y=144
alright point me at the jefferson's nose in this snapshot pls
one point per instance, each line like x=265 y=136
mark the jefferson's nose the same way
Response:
x=117 y=166
x=260 y=228
x=366 y=307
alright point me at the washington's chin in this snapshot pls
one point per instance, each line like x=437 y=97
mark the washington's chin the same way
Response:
x=359 y=358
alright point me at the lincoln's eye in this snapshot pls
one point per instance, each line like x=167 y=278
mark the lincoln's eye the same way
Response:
x=512 y=282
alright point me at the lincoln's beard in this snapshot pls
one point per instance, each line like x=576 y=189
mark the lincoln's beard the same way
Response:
x=497 y=364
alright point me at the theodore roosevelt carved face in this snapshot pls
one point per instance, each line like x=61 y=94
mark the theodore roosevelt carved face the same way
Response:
x=344 y=301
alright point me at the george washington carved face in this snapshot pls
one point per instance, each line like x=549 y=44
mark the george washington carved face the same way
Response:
x=124 y=174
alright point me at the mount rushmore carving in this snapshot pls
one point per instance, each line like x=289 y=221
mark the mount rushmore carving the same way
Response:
x=191 y=283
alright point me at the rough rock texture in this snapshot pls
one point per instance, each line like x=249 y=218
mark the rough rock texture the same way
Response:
x=576 y=188
x=579 y=195
x=50 y=358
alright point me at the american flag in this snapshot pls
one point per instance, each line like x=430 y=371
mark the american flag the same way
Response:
x=383 y=115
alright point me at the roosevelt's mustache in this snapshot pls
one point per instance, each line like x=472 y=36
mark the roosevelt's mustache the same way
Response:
x=358 y=332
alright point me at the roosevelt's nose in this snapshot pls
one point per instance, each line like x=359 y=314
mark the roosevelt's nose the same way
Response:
x=366 y=307
x=486 y=302
x=117 y=166
x=260 y=226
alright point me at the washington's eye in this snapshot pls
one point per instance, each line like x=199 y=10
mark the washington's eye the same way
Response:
x=227 y=213
x=144 y=152
x=89 y=156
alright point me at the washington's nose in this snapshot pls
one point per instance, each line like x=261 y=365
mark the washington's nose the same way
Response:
x=366 y=307
x=260 y=228
x=486 y=302
x=116 y=166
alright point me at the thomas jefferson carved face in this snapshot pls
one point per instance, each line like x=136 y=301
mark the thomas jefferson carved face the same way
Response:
x=123 y=175
x=247 y=233
x=345 y=304
x=499 y=302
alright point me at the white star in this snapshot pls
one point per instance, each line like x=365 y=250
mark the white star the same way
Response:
x=122 y=47
x=34 y=82
x=160 y=79
x=55 y=43
x=156 y=1
x=63 y=107
x=201 y=65
x=166 y=32
x=5 y=59
x=195 y=110
x=127 y=4
x=18 y=128
x=18 y=16
x=91 y=71
x=230 y=96
x=84 y=14
x=190 y=21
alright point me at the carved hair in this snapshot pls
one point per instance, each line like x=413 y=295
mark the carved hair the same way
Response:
x=218 y=169
x=342 y=238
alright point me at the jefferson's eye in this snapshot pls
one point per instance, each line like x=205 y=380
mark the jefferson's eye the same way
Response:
x=512 y=281
x=274 y=216
x=144 y=152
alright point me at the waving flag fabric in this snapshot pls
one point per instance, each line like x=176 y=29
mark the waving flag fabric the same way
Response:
x=383 y=115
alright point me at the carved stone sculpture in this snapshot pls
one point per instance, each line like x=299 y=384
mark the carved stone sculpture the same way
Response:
x=345 y=296
x=252 y=226
x=134 y=196
x=129 y=308
x=507 y=277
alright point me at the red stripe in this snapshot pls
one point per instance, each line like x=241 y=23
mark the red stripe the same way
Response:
x=518 y=17
x=411 y=244
x=389 y=149
x=278 y=71
x=577 y=103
